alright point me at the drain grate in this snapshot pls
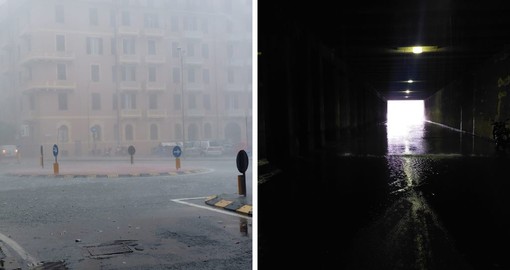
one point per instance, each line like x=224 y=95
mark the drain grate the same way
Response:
x=112 y=248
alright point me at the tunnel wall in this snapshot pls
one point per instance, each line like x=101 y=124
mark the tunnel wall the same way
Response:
x=472 y=102
x=307 y=96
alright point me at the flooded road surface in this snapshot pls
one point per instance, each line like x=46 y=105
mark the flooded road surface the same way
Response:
x=420 y=197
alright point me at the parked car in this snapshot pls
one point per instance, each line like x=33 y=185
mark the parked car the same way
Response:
x=8 y=151
x=213 y=149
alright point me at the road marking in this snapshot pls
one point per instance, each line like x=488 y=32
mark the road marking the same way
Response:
x=182 y=200
x=22 y=253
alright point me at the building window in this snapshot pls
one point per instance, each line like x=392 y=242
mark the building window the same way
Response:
x=153 y=101
x=174 y=23
x=31 y=101
x=61 y=72
x=128 y=46
x=115 y=102
x=205 y=26
x=94 y=46
x=176 y=74
x=192 y=101
x=96 y=101
x=63 y=134
x=205 y=51
x=93 y=16
x=114 y=73
x=151 y=47
x=231 y=102
x=175 y=49
x=126 y=20
x=230 y=75
x=59 y=14
x=230 y=51
x=128 y=131
x=154 y=132
x=60 y=43
x=62 y=101
x=113 y=18
x=151 y=21
x=113 y=49
x=207 y=102
x=94 y=73
x=191 y=75
x=205 y=75
x=177 y=102
x=128 y=73
x=152 y=74
x=190 y=50
x=128 y=101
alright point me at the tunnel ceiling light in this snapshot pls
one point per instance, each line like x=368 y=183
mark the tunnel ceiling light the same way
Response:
x=417 y=49
x=410 y=81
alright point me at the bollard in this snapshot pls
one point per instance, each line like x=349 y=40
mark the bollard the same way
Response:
x=241 y=184
x=55 y=168
x=177 y=163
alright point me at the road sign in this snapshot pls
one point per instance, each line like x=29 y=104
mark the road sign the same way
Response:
x=131 y=150
x=242 y=161
x=177 y=151
x=55 y=150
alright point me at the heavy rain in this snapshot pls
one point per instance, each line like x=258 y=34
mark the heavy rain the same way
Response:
x=126 y=134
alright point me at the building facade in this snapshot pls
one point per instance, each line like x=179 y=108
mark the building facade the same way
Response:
x=89 y=75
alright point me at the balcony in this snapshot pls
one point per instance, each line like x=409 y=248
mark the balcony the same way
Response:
x=155 y=59
x=155 y=86
x=195 y=87
x=235 y=113
x=153 y=32
x=130 y=85
x=193 y=61
x=131 y=113
x=129 y=59
x=48 y=56
x=189 y=34
x=195 y=113
x=50 y=85
x=128 y=31
x=156 y=113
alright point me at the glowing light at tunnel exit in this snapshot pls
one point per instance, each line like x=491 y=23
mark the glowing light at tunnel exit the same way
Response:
x=405 y=112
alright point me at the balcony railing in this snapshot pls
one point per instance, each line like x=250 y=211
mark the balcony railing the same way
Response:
x=48 y=56
x=155 y=86
x=130 y=113
x=130 y=85
x=156 y=113
x=50 y=85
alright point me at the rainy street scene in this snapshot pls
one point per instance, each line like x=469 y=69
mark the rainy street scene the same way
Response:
x=126 y=134
x=114 y=214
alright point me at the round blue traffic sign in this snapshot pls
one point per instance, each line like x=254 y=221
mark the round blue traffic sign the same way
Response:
x=55 y=150
x=177 y=151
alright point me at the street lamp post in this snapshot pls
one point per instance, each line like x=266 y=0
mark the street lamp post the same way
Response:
x=181 y=55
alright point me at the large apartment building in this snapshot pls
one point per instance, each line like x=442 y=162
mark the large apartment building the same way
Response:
x=88 y=75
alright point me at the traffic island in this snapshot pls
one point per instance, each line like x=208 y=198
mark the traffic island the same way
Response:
x=238 y=204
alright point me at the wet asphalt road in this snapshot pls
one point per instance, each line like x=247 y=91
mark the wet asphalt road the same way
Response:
x=124 y=222
x=425 y=198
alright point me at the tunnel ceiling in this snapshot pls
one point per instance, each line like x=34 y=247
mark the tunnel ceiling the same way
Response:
x=367 y=36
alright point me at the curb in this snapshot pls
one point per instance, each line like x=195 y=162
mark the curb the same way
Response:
x=109 y=175
x=238 y=205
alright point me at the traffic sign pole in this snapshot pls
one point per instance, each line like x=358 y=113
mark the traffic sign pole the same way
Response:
x=176 y=151
x=242 y=166
x=55 y=154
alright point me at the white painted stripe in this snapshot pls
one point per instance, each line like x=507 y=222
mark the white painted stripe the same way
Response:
x=14 y=246
x=208 y=207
